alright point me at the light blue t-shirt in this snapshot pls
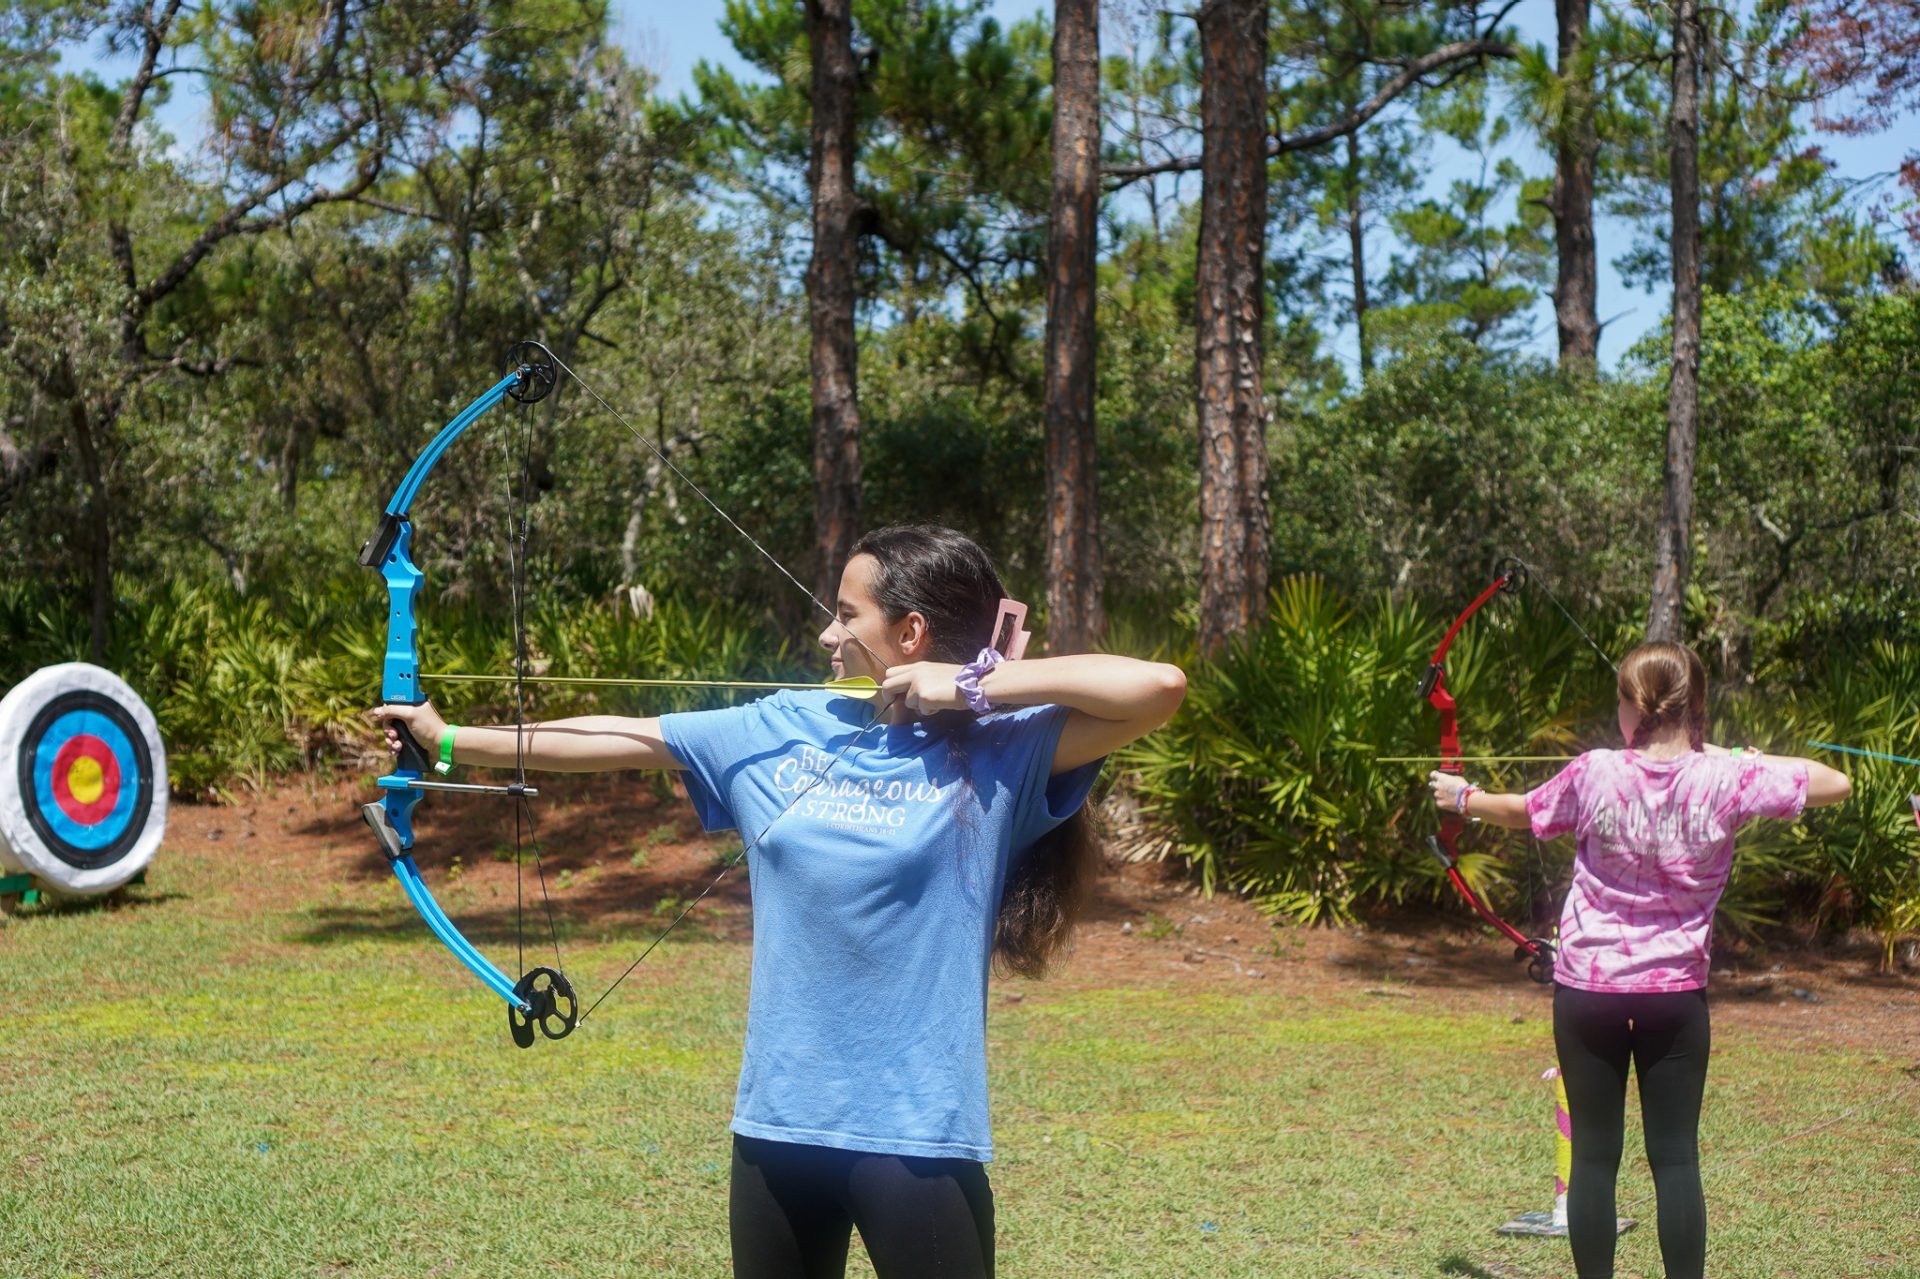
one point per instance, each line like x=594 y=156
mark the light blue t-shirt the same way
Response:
x=874 y=902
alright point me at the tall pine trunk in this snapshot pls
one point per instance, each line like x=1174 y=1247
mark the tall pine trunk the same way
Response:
x=1235 y=525
x=1357 y=245
x=830 y=292
x=1666 y=618
x=1076 y=616
x=1576 y=301
x=97 y=518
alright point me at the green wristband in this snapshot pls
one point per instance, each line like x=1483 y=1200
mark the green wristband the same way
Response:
x=446 y=750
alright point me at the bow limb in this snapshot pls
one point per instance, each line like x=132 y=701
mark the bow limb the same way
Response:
x=1444 y=843
x=541 y=997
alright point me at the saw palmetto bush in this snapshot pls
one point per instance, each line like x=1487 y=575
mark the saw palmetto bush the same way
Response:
x=1856 y=864
x=1272 y=781
x=249 y=686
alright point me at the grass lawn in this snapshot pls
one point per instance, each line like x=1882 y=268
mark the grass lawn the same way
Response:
x=260 y=1064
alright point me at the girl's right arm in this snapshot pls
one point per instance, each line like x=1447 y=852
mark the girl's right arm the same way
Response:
x=1824 y=785
x=583 y=744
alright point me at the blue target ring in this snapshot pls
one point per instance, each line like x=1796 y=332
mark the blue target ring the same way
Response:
x=86 y=779
x=53 y=787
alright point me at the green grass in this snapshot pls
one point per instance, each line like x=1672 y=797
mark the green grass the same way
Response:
x=192 y=1084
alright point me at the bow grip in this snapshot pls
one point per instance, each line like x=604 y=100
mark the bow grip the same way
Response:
x=413 y=757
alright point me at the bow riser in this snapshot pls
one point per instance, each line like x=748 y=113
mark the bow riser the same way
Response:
x=400 y=674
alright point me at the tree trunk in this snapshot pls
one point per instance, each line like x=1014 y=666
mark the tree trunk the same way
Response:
x=1356 y=239
x=830 y=292
x=1076 y=617
x=1235 y=526
x=99 y=530
x=1666 y=617
x=1576 y=301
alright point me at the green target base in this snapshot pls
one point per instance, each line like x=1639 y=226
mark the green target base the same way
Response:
x=22 y=886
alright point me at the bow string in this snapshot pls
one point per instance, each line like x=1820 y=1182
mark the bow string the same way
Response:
x=1511 y=576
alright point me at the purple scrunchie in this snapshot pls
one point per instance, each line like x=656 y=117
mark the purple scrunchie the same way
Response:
x=968 y=680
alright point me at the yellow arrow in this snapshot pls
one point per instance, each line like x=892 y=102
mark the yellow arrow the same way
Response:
x=860 y=686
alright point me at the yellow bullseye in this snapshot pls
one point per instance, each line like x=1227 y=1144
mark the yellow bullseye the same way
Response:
x=85 y=780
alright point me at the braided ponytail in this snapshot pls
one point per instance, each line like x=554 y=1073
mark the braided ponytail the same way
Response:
x=1667 y=684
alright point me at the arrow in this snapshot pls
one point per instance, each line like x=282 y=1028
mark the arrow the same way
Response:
x=861 y=686
x=1855 y=750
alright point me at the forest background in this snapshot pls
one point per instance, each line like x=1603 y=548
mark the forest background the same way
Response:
x=1164 y=307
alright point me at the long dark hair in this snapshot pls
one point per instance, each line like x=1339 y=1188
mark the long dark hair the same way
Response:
x=946 y=578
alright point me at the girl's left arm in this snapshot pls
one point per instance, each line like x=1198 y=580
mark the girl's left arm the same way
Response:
x=1113 y=700
x=1491 y=807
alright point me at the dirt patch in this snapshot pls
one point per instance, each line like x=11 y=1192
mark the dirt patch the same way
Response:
x=1150 y=924
x=622 y=850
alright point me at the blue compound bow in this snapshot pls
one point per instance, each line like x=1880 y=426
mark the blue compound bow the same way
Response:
x=541 y=997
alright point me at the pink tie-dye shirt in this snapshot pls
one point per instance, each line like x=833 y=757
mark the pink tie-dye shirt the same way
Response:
x=1653 y=845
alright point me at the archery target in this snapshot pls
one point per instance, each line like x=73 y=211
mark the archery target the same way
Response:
x=83 y=780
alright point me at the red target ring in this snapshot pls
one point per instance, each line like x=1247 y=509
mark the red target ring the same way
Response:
x=86 y=779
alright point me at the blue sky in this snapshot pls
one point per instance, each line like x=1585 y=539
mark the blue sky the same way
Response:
x=671 y=38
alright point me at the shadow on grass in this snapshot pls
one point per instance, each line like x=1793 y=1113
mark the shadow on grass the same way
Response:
x=1461 y=1268
x=401 y=925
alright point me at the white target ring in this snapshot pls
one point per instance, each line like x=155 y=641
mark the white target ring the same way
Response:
x=83 y=780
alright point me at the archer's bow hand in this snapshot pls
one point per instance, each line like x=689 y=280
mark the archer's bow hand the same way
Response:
x=1446 y=789
x=422 y=721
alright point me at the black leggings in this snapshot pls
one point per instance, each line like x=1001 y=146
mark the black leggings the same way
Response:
x=1666 y=1036
x=793 y=1208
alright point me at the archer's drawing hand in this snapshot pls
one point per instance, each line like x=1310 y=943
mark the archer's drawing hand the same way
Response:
x=422 y=721
x=923 y=687
x=1446 y=789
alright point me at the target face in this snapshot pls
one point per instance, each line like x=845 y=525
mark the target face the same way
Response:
x=82 y=779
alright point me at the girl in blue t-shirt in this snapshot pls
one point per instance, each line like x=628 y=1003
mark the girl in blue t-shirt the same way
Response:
x=895 y=858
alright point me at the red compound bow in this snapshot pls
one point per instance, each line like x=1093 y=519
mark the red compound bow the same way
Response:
x=1539 y=952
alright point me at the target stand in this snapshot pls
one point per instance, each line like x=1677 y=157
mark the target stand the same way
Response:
x=83 y=784
x=22 y=886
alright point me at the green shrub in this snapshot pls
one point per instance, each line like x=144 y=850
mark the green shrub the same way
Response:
x=1269 y=782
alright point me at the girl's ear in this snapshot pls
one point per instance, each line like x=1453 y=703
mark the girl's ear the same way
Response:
x=913 y=637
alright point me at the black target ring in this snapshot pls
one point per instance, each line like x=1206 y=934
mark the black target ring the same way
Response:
x=47 y=788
